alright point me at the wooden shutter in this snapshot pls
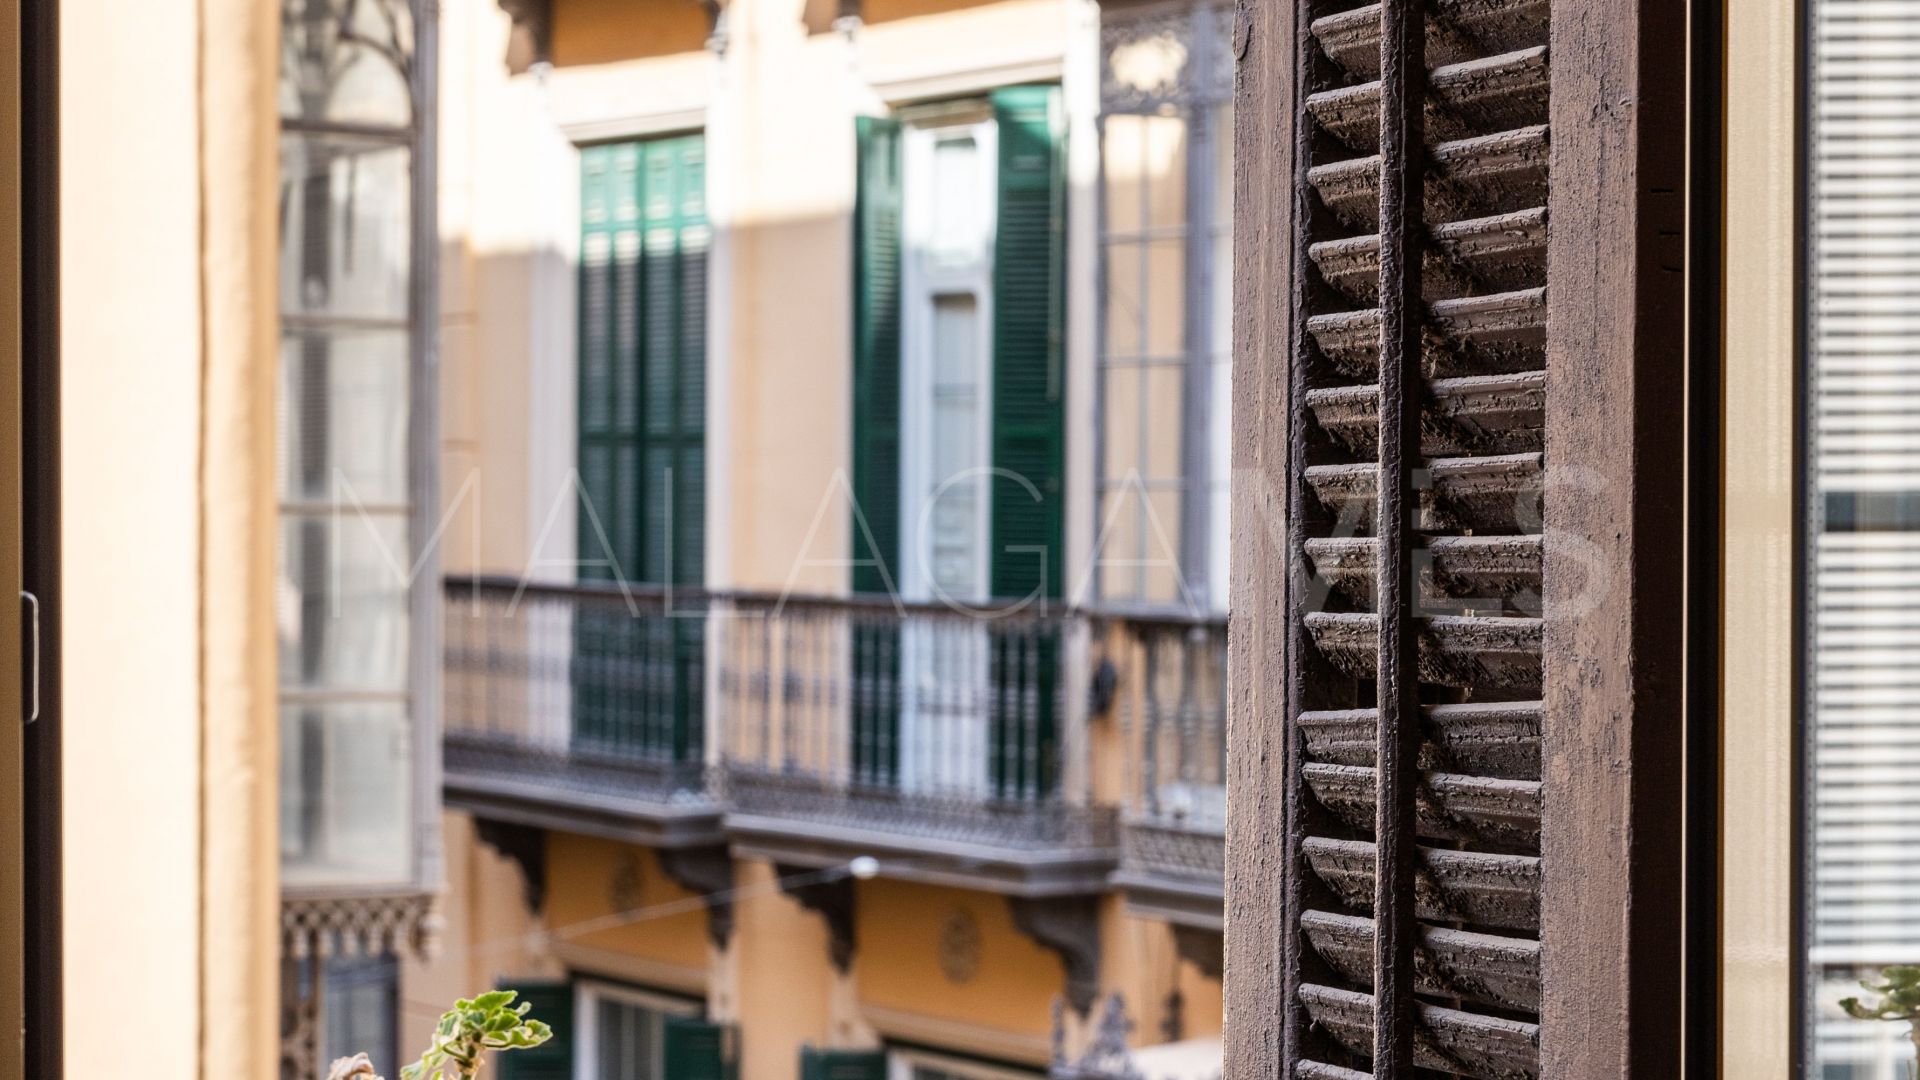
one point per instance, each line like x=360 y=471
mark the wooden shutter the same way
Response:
x=1029 y=320
x=609 y=391
x=842 y=1064
x=552 y=1060
x=1455 y=817
x=875 y=529
x=698 y=1050
x=642 y=404
x=642 y=420
x=1029 y=394
x=876 y=356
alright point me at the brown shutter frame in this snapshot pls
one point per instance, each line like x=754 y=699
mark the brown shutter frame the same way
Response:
x=1612 y=735
x=1259 y=1029
x=1611 y=922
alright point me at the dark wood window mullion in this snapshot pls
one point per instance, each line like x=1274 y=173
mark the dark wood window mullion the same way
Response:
x=1402 y=93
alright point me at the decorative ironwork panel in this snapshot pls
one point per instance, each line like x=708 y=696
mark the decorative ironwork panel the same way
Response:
x=1417 y=387
x=1172 y=55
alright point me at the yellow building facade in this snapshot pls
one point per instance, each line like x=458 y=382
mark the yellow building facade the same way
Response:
x=822 y=782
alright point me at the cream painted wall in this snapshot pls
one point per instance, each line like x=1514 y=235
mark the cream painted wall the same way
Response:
x=167 y=160
x=782 y=980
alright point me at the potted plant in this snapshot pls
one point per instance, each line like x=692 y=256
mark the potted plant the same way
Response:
x=460 y=1041
x=1899 y=990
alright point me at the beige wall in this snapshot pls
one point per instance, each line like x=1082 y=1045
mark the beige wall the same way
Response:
x=781 y=983
x=591 y=881
x=167 y=163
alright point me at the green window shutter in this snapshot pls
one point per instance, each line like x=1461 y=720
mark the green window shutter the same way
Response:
x=875 y=532
x=552 y=1060
x=698 y=1050
x=1029 y=362
x=644 y=247
x=642 y=438
x=876 y=356
x=842 y=1064
x=1029 y=447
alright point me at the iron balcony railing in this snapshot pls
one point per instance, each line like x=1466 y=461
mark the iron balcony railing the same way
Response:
x=922 y=719
x=589 y=690
x=1169 y=683
x=903 y=723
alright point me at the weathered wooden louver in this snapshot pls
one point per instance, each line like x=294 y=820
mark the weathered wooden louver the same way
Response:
x=1419 y=391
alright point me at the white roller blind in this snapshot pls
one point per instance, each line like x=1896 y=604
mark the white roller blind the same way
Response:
x=1863 y=614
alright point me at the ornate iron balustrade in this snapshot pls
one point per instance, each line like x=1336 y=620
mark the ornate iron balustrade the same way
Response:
x=1169 y=678
x=944 y=740
x=579 y=706
x=941 y=735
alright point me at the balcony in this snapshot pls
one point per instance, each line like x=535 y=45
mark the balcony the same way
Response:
x=579 y=708
x=1170 y=699
x=944 y=742
x=804 y=730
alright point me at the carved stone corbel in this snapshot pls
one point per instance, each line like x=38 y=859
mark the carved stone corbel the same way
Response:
x=707 y=871
x=1200 y=947
x=1070 y=927
x=527 y=847
x=832 y=900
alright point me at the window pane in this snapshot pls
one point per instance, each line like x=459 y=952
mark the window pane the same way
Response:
x=363 y=1001
x=345 y=792
x=1122 y=138
x=1164 y=581
x=627 y=1041
x=959 y=230
x=954 y=487
x=343 y=601
x=1861 y=614
x=343 y=416
x=1118 y=538
x=1126 y=282
x=350 y=78
x=345 y=228
x=1122 y=423
x=1164 y=167
x=1163 y=424
x=1166 y=334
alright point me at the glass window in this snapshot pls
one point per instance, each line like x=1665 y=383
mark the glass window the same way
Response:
x=1861 y=611
x=363 y=1000
x=1165 y=244
x=346 y=582
x=623 y=1031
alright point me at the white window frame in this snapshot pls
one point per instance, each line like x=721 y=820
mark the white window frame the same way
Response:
x=921 y=282
x=588 y=993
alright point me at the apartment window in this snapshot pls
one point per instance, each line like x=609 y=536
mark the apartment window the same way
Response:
x=612 y=1031
x=623 y=1032
x=1165 y=293
x=644 y=245
x=362 y=1009
x=959 y=309
x=353 y=339
x=1861 y=871
x=959 y=305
